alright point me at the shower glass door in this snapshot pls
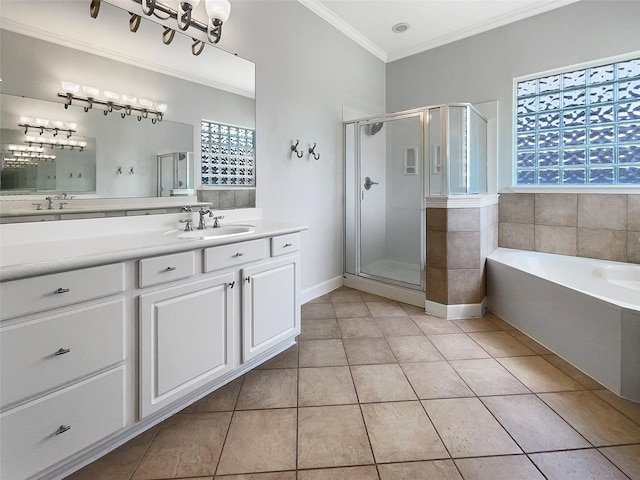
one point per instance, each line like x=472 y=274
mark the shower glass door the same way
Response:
x=391 y=197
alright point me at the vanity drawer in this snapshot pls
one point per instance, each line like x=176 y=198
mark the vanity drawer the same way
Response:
x=217 y=258
x=285 y=244
x=35 y=436
x=44 y=353
x=45 y=292
x=157 y=270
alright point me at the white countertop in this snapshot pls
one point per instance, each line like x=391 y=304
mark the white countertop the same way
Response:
x=41 y=248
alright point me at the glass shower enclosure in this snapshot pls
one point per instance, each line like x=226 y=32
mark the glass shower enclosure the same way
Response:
x=392 y=164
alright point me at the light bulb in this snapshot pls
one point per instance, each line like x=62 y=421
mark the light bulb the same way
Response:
x=90 y=91
x=42 y=122
x=113 y=96
x=63 y=141
x=82 y=144
x=161 y=107
x=27 y=120
x=73 y=143
x=129 y=99
x=58 y=124
x=145 y=103
x=71 y=125
x=193 y=3
x=70 y=87
x=218 y=9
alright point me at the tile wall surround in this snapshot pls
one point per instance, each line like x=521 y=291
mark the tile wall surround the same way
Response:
x=458 y=241
x=602 y=226
x=226 y=199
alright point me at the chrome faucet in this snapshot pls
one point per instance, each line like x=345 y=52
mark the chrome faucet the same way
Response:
x=50 y=205
x=202 y=212
x=188 y=227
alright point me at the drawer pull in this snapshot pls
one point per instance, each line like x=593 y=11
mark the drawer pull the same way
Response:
x=169 y=269
x=61 y=290
x=248 y=279
x=239 y=254
x=62 y=351
x=62 y=429
x=287 y=245
x=231 y=285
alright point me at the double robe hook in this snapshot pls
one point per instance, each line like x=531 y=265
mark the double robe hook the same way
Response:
x=300 y=153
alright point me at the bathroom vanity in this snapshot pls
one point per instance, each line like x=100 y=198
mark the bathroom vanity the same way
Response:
x=104 y=335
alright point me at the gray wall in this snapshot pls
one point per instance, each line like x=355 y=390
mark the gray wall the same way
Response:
x=305 y=72
x=481 y=68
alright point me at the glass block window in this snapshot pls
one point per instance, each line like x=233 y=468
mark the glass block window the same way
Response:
x=579 y=127
x=228 y=155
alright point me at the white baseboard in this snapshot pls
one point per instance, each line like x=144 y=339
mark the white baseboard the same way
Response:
x=323 y=288
x=452 y=312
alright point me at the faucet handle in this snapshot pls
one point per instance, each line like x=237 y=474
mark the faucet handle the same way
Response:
x=62 y=204
x=188 y=227
x=186 y=209
x=38 y=206
x=216 y=219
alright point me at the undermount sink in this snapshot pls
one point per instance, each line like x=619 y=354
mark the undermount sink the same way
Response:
x=218 y=232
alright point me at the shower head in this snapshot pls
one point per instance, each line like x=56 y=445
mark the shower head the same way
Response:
x=374 y=128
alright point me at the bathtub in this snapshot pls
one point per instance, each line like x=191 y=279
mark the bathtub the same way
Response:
x=586 y=311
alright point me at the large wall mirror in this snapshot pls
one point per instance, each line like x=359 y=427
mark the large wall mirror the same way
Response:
x=46 y=42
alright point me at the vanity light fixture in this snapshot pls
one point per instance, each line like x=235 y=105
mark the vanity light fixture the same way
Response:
x=218 y=12
x=80 y=145
x=124 y=103
x=43 y=125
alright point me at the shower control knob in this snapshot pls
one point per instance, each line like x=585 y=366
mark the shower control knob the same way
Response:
x=368 y=183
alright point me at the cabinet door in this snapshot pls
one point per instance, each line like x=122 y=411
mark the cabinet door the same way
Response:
x=270 y=305
x=185 y=339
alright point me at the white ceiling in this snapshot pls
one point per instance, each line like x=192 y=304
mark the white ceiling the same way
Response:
x=432 y=22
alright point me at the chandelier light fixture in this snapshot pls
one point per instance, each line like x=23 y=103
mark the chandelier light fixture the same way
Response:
x=113 y=101
x=218 y=12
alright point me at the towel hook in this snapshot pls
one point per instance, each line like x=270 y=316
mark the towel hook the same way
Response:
x=316 y=156
x=294 y=149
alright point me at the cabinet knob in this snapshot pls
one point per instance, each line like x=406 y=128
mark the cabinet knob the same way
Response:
x=62 y=351
x=61 y=290
x=169 y=269
x=62 y=429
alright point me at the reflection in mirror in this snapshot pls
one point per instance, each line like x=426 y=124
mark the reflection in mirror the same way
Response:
x=217 y=86
x=118 y=146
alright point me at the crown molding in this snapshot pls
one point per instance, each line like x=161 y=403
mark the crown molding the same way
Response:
x=337 y=22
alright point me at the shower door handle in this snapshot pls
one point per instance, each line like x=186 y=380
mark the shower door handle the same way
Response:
x=368 y=183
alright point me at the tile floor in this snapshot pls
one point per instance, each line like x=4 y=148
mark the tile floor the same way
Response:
x=375 y=389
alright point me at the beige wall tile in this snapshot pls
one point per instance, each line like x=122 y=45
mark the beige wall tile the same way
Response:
x=463 y=250
x=633 y=214
x=516 y=235
x=602 y=211
x=516 y=207
x=633 y=247
x=465 y=286
x=437 y=285
x=436 y=249
x=603 y=244
x=556 y=209
x=560 y=240
x=463 y=219
x=437 y=219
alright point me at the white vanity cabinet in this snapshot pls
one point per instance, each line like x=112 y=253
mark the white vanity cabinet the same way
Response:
x=185 y=339
x=62 y=351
